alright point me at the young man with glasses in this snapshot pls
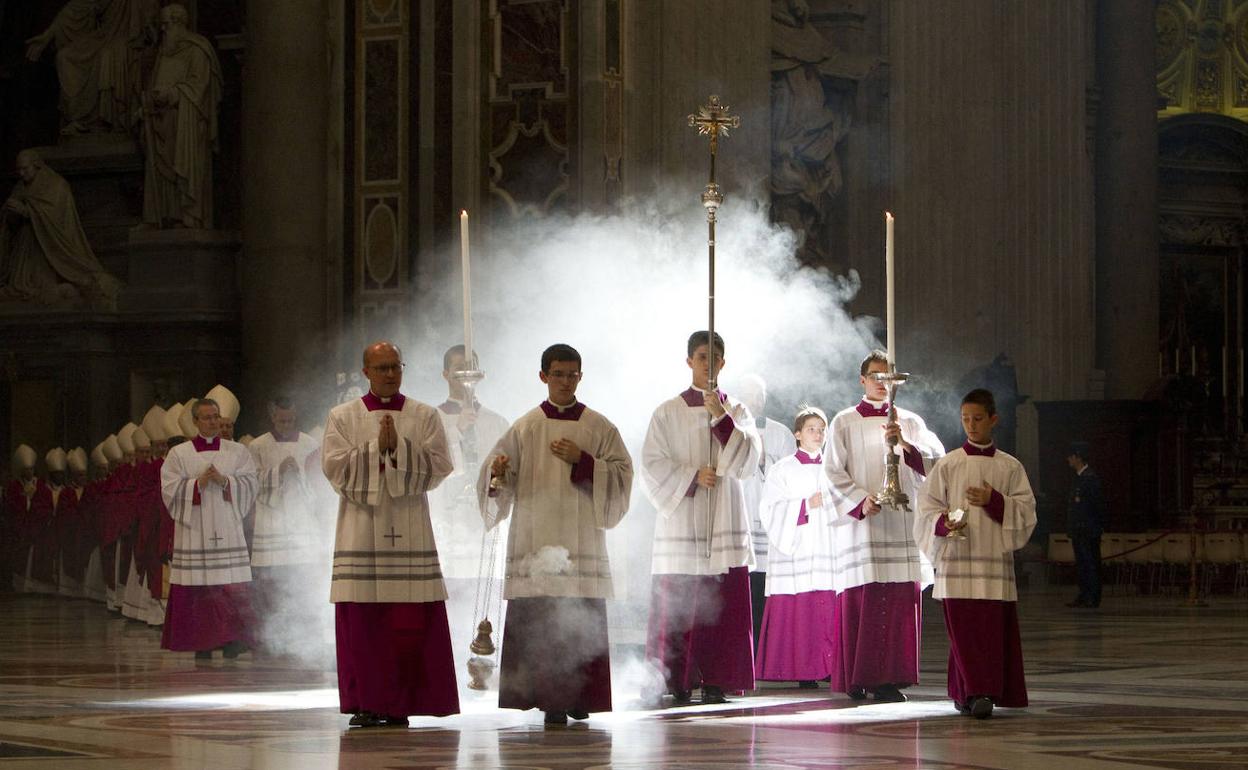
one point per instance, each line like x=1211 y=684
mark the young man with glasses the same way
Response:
x=563 y=476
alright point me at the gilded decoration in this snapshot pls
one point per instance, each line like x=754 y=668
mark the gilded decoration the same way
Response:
x=1202 y=56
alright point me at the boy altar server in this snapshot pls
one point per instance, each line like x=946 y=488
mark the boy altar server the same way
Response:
x=563 y=477
x=700 y=628
x=972 y=549
x=879 y=573
x=797 y=630
x=382 y=453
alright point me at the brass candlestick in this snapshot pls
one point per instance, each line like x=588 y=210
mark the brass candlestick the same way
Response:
x=891 y=495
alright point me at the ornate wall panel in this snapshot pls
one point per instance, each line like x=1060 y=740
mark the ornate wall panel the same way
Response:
x=613 y=98
x=1202 y=56
x=379 y=179
x=530 y=104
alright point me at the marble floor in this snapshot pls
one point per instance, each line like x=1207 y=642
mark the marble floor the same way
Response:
x=1141 y=683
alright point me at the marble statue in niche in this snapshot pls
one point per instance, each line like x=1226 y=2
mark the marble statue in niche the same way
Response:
x=813 y=89
x=44 y=254
x=179 y=127
x=99 y=46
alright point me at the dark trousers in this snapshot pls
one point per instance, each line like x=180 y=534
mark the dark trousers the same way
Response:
x=1088 y=567
x=758 y=602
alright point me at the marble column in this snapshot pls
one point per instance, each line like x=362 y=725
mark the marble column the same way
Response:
x=1127 y=270
x=283 y=268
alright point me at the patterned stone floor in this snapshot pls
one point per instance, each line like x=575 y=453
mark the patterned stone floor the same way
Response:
x=1143 y=683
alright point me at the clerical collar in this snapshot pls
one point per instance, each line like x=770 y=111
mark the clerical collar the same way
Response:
x=868 y=408
x=572 y=411
x=393 y=403
x=206 y=444
x=806 y=459
x=695 y=397
x=454 y=405
x=981 y=450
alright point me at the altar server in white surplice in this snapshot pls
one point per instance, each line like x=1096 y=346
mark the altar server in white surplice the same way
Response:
x=290 y=529
x=700 y=629
x=382 y=453
x=798 y=628
x=974 y=560
x=209 y=485
x=777 y=444
x=879 y=572
x=563 y=477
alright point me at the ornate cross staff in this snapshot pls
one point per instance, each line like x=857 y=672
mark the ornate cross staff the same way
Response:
x=712 y=120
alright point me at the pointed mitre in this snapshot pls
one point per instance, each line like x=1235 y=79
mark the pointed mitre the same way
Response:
x=55 y=459
x=25 y=457
x=186 y=421
x=97 y=455
x=125 y=438
x=169 y=422
x=112 y=450
x=140 y=439
x=154 y=424
x=76 y=458
x=226 y=401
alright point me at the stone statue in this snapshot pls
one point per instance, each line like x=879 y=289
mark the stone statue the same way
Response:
x=97 y=60
x=812 y=105
x=44 y=254
x=179 y=118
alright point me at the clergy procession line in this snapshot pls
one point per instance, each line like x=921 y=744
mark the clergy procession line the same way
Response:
x=763 y=531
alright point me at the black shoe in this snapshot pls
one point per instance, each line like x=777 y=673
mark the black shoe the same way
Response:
x=980 y=706
x=712 y=694
x=365 y=719
x=857 y=693
x=889 y=694
x=556 y=718
x=384 y=721
x=682 y=697
x=203 y=655
x=808 y=684
x=578 y=714
x=962 y=708
x=233 y=649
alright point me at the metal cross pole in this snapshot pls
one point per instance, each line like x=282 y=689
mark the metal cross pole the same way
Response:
x=712 y=120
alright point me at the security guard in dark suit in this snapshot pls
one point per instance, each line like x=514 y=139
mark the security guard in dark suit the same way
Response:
x=1085 y=521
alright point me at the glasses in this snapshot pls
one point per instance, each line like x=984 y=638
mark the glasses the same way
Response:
x=570 y=376
x=388 y=368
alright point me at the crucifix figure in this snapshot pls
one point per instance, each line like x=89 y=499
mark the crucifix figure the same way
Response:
x=392 y=536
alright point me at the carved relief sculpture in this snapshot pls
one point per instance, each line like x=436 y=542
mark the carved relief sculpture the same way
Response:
x=812 y=104
x=44 y=254
x=179 y=122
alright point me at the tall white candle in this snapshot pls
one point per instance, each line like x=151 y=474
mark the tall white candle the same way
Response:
x=466 y=270
x=890 y=318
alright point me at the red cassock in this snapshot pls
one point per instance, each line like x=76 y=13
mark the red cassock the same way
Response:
x=150 y=514
x=41 y=534
x=68 y=532
x=89 y=522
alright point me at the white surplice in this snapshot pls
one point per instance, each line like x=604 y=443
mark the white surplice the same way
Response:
x=802 y=549
x=692 y=534
x=208 y=543
x=286 y=514
x=384 y=549
x=879 y=548
x=457 y=524
x=778 y=443
x=981 y=566
x=548 y=511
